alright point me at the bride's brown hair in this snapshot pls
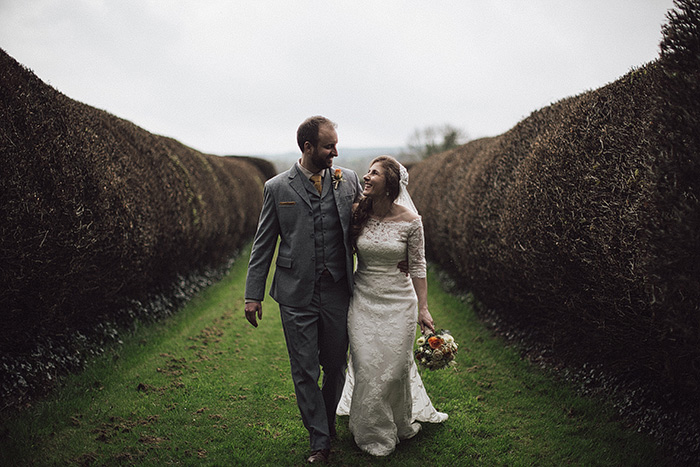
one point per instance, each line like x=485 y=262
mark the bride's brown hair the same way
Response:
x=392 y=177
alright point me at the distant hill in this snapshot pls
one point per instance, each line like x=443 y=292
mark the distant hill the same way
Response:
x=357 y=159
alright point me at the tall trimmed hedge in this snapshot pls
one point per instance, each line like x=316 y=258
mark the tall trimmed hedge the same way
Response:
x=99 y=214
x=582 y=223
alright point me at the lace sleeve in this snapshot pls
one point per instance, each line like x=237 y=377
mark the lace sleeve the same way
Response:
x=416 y=249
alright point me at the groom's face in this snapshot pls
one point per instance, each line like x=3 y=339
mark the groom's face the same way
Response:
x=324 y=152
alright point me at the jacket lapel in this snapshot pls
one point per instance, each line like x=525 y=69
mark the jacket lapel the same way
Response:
x=296 y=181
x=341 y=203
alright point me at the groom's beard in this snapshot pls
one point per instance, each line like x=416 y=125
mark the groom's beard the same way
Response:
x=322 y=162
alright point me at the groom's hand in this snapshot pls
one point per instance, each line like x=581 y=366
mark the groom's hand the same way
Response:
x=403 y=267
x=251 y=310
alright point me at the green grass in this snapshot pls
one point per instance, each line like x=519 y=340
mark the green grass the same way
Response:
x=205 y=388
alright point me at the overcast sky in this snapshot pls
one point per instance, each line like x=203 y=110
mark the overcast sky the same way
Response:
x=238 y=76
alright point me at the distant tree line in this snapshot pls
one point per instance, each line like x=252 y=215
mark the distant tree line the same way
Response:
x=424 y=142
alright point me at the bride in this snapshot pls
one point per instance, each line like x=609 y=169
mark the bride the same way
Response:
x=383 y=392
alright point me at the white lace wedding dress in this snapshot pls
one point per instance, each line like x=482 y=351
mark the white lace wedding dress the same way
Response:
x=384 y=394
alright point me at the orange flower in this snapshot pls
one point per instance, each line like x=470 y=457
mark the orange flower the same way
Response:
x=435 y=342
x=337 y=178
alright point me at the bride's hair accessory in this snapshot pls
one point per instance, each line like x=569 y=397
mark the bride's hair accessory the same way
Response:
x=404 y=174
x=404 y=199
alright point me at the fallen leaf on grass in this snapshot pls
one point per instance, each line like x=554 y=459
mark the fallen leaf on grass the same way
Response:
x=169 y=372
x=144 y=387
x=147 y=439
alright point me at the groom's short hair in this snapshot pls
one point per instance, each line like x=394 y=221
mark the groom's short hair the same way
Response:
x=308 y=130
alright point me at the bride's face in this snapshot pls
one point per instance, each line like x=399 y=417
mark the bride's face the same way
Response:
x=375 y=181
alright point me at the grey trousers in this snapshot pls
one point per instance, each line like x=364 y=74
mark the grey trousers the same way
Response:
x=317 y=336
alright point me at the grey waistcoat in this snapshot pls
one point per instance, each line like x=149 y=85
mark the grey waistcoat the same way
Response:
x=329 y=248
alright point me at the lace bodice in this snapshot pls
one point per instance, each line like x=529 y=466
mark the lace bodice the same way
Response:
x=383 y=244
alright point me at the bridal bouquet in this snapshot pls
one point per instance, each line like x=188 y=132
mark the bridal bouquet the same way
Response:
x=436 y=351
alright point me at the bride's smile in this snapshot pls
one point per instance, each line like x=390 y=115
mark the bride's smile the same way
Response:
x=375 y=181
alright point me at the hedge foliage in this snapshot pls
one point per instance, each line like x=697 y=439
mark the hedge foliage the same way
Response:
x=98 y=213
x=582 y=222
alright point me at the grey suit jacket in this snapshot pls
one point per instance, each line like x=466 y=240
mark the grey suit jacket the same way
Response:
x=286 y=214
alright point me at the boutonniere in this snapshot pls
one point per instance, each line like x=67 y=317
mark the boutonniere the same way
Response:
x=337 y=178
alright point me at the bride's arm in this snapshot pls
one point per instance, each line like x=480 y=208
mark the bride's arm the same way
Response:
x=418 y=270
x=425 y=319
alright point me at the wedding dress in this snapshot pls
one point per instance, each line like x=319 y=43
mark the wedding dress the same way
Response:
x=384 y=394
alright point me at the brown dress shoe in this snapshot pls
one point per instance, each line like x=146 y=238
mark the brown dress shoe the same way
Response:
x=319 y=457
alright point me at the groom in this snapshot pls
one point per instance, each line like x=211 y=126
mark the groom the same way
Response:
x=309 y=208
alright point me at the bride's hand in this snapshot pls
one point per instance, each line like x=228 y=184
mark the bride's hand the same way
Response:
x=425 y=320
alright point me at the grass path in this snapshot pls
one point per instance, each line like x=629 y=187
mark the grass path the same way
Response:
x=205 y=388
